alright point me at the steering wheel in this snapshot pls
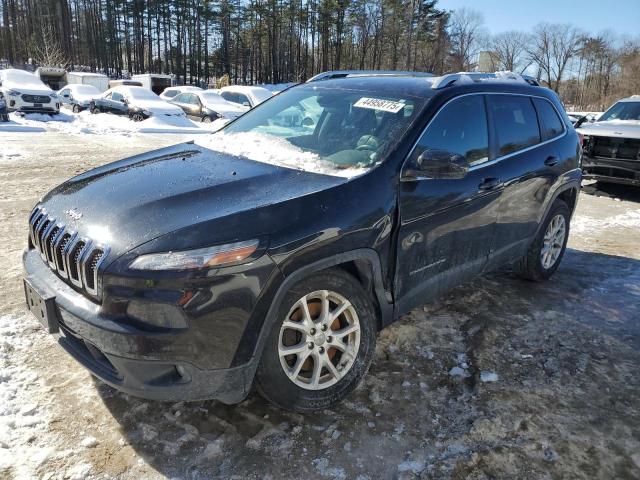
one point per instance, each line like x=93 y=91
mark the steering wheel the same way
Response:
x=368 y=143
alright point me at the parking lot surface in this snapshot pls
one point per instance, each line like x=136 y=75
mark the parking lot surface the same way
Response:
x=501 y=378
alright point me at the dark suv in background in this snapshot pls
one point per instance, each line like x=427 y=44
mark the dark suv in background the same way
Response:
x=270 y=256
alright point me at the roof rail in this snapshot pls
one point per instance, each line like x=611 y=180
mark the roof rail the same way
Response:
x=366 y=73
x=451 y=78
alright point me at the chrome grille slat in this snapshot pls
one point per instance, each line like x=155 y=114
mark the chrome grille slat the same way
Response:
x=73 y=258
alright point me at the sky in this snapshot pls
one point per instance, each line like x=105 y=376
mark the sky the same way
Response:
x=595 y=16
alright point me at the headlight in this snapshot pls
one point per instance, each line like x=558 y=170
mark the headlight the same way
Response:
x=13 y=93
x=54 y=95
x=195 y=259
x=146 y=112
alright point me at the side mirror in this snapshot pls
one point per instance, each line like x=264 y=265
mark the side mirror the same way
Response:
x=246 y=104
x=580 y=121
x=438 y=164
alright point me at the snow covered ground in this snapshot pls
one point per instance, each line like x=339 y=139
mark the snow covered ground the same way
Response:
x=100 y=124
x=499 y=379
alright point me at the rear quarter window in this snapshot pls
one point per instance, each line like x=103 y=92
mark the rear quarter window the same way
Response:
x=515 y=121
x=550 y=123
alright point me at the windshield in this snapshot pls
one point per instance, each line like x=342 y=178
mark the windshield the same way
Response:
x=622 y=111
x=261 y=94
x=212 y=97
x=86 y=89
x=140 y=93
x=330 y=129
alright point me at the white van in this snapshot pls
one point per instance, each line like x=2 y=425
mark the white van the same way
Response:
x=154 y=82
x=98 y=80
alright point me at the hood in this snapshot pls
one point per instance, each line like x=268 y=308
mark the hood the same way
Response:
x=157 y=106
x=28 y=89
x=612 y=128
x=132 y=201
x=229 y=110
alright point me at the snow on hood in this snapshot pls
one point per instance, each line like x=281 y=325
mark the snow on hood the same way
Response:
x=264 y=148
x=612 y=128
x=156 y=106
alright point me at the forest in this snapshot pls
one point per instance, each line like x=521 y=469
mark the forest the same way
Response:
x=274 y=41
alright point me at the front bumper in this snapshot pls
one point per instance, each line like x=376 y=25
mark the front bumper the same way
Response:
x=145 y=364
x=611 y=170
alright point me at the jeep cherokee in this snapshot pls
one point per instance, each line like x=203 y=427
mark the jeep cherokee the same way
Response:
x=270 y=255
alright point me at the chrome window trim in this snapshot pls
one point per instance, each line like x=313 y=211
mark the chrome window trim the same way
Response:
x=499 y=158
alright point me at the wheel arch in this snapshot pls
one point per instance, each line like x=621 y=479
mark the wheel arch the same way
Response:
x=364 y=264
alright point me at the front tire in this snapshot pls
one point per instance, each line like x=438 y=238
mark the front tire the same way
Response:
x=546 y=252
x=137 y=117
x=95 y=110
x=76 y=109
x=321 y=344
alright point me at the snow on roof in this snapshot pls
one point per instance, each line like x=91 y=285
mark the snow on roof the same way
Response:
x=87 y=74
x=157 y=75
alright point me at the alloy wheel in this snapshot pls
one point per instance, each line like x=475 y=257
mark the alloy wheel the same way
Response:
x=553 y=241
x=319 y=340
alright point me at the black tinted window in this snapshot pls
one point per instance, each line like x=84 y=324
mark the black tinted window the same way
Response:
x=550 y=122
x=460 y=127
x=170 y=93
x=230 y=97
x=515 y=122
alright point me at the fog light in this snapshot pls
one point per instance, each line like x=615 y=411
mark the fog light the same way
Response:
x=12 y=103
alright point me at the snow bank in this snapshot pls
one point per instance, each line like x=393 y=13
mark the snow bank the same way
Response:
x=102 y=124
x=13 y=126
x=274 y=150
x=583 y=224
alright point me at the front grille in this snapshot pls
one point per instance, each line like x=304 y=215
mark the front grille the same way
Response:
x=36 y=98
x=614 y=147
x=75 y=259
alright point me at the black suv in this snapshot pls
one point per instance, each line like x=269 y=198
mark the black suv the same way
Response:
x=270 y=256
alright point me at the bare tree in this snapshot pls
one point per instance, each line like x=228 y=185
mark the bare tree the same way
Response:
x=466 y=30
x=509 y=50
x=553 y=46
x=47 y=51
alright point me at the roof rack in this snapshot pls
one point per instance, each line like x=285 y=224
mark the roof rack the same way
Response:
x=366 y=73
x=451 y=78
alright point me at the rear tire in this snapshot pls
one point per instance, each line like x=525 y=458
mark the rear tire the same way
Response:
x=137 y=117
x=338 y=331
x=95 y=110
x=546 y=252
x=207 y=119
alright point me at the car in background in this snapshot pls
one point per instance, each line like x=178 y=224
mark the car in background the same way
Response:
x=207 y=106
x=24 y=92
x=611 y=144
x=4 y=113
x=78 y=97
x=245 y=95
x=170 y=92
x=138 y=103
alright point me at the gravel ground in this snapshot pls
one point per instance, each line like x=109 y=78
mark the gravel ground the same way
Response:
x=499 y=379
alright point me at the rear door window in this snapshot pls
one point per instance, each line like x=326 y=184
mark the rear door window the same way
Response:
x=550 y=123
x=461 y=128
x=117 y=97
x=515 y=121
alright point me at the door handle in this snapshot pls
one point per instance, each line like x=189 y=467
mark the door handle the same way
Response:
x=551 y=161
x=488 y=183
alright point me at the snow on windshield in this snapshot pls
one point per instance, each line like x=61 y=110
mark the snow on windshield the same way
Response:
x=86 y=89
x=212 y=97
x=139 y=93
x=275 y=151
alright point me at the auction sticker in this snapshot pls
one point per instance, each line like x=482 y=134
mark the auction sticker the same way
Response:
x=379 y=104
